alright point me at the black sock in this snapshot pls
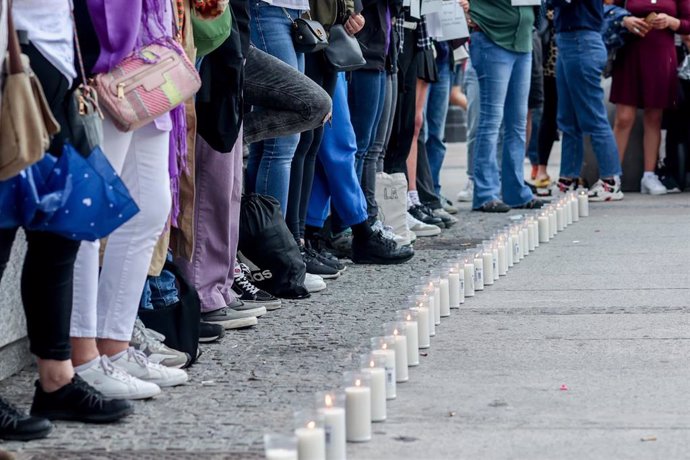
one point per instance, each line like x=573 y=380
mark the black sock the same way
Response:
x=362 y=230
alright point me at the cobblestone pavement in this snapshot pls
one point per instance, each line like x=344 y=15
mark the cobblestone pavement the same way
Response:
x=252 y=381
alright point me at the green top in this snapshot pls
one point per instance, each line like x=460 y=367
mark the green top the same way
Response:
x=508 y=26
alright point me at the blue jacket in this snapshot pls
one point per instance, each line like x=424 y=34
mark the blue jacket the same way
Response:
x=571 y=15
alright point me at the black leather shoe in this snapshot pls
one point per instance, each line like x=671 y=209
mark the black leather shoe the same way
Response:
x=17 y=426
x=418 y=213
x=532 y=204
x=494 y=206
x=80 y=402
x=380 y=251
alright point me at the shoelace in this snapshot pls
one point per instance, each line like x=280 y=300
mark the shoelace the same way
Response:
x=9 y=415
x=146 y=338
x=92 y=397
x=389 y=244
x=245 y=284
x=111 y=370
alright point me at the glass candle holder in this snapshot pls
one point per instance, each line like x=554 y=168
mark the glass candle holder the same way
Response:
x=331 y=405
x=280 y=446
x=410 y=318
x=468 y=270
x=454 y=289
x=311 y=436
x=397 y=329
x=384 y=346
x=357 y=406
x=375 y=367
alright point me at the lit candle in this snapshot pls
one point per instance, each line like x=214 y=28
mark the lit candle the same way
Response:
x=478 y=272
x=568 y=211
x=280 y=447
x=510 y=248
x=357 y=407
x=331 y=405
x=535 y=226
x=560 y=218
x=454 y=286
x=575 y=209
x=436 y=283
x=543 y=228
x=524 y=243
x=488 y=264
x=444 y=291
x=531 y=235
x=502 y=257
x=409 y=317
x=422 y=324
x=397 y=330
x=375 y=367
x=553 y=227
x=311 y=437
x=430 y=304
x=385 y=347
x=469 y=276
x=583 y=203
x=516 y=246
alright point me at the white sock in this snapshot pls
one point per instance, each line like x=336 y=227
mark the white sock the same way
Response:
x=117 y=356
x=648 y=174
x=86 y=366
x=413 y=197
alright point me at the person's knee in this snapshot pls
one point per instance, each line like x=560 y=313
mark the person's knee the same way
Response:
x=418 y=122
x=625 y=118
x=653 y=117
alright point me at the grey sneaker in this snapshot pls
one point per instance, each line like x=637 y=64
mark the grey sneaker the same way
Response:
x=151 y=344
x=231 y=318
x=448 y=205
x=247 y=309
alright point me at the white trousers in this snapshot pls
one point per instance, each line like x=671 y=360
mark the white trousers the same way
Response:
x=106 y=306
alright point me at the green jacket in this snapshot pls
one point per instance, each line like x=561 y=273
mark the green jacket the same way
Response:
x=508 y=26
x=330 y=12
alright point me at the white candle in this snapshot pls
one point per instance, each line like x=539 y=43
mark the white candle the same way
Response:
x=281 y=454
x=412 y=334
x=377 y=384
x=401 y=371
x=431 y=305
x=502 y=259
x=516 y=247
x=583 y=204
x=568 y=212
x=462 y=284
x=488 y=265
x=494 y=261
x=423 y=326
x=333 y=424
x=444 y=290
x=454 y=289
x=524 y=244
x=478 y=273
x=575 y=209
x=389 y=354
x=535 y=225
x=358 y=412
x=560 y=218
x=553 y=228
x=437 y=304
x=510 y=249
x=543 y=229
x=531 y=235
x=469 y=278
x=311 y=442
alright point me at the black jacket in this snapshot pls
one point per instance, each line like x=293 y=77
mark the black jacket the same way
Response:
x=372 y=38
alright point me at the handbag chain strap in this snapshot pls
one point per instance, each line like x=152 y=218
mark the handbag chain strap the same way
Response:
x=290 y=17
x=88 y=91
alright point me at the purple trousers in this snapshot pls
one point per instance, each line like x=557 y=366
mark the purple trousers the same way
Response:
x=216 y=224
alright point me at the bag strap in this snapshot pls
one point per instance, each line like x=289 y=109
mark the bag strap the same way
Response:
x=290 y=17
x=77 y=45
x=14 y=50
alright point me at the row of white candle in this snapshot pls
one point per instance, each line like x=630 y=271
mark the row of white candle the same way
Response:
x=347 y=416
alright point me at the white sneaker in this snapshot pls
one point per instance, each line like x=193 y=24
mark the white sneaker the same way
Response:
x=314 y=283
x=136 y=364
x=603 y=191
x=420 y=228
x=151 y=344
x=650 y=184
x=114 y=383
x=467 y=194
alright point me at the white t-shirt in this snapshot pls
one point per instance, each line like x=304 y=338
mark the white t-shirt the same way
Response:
x=49 y=25
x=302 y=5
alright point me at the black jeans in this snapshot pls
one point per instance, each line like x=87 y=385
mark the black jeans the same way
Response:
x=403 y=123
x=548 y=129
x=425 y=182
x=47 y=275
x=304 y=162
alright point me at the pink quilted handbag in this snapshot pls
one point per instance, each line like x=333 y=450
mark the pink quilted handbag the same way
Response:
x=147 y=84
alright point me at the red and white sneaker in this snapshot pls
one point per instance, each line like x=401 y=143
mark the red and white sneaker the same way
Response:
x=606 y=190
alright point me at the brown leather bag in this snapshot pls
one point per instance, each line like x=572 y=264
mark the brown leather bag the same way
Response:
x=26 y=121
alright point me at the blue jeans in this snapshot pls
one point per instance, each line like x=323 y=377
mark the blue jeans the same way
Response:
x=504 y=81
x=436 y=112
x=471 y=88
x=366 y=95
x=160 y=291
x=335 y=177
x=268 y=166
x=533 y=147
x=581 y=109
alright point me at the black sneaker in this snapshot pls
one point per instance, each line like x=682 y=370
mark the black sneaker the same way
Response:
x=494 y=206
x=340 y=245
x=79 y=402
x=209 y=332
x=420 y=214
x=15 y=425
x=324 y=255
x=531 y=204
x=250 y=294
x=316 y=266
x=379 y=250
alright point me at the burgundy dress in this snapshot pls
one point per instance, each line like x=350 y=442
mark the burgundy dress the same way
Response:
x=645 y=72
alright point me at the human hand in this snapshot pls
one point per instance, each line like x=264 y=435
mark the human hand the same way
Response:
x=465 y=4
x=636 y=26
x=354 y=23
x=664 y=21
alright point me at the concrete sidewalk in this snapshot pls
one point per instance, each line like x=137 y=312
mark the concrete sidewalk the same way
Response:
x=603 y=309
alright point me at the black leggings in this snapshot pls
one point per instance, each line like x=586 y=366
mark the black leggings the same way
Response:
x=548 y=129
x=304 y=162
x=46 y=284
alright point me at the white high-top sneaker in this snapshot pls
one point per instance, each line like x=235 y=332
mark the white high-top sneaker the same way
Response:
x=650 y=184
x=114 y=383
x=136 y=364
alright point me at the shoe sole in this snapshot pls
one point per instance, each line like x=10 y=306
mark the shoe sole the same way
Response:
x=649 y=192
x=28 y=436
x=70 y=417
x=170 y=383
x=238 y=323
x=319 y=289
x=327 y=276
x=427 y=232
x=269 y=305
x=381 y=261
x=612 y=197
x=210 y=339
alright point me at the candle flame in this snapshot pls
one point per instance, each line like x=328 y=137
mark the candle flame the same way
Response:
x=329 y=401
x=372 y=363
x=409 y=317
x=395 y=332
x=384 y=346
x=311 y=425
x=358 y=383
